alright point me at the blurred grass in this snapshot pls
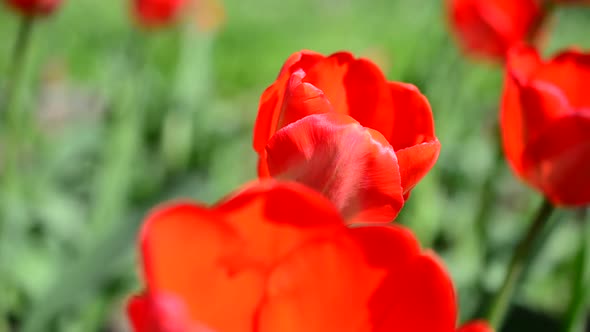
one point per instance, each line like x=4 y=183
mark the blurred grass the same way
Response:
x=126 y=119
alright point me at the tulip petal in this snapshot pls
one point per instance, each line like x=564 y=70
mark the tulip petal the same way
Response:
x=570 y=72
x=139 y=313
x=354 y=167
x=541 y=104
x=415 y=162
x=271 y=101
x=199 y=283
x=162 y=313
x=558 y=161
x=272 y=219
x=302 y=99
x=417 y=293
x=476 y=326
x=324 y=286
x=413 y=123
x=356 y=87
x=300 y=60
x=521 y=64
x=489 y=28
x=474 y=32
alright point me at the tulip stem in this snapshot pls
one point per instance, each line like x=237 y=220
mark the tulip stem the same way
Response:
x=488 y=193
x=16 y=69
x=501 y=301
x=577 y=312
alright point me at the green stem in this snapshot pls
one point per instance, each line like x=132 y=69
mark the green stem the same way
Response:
x=16 y=69
x=11 y=133
x=501 y=301
x=576 y=315
x=488 y=192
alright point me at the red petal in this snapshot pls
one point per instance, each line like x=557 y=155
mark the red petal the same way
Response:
x=302 y=99
x=271 y=100
x=558 y=160
x=272 y=219
x=138 y=312
x=268 y=115
x=475 y=34
x=34 y=7
x=522 y=62
x=417 y=293
x=300 y=60
x=211 y=260
x=353 y=166
x=183 y=247
x=415 y=162
x=356 y=87
x=490 y=28
x=476 y=326
x=413 y=123
x=324 y=286
x=570 y=72
x=541 y=104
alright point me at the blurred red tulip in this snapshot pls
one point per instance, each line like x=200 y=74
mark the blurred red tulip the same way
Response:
x=34 y=7
x=476 y=326
x=378 y=142
x=545 y=121
x=209 y=14
x=156 y=13
x=488 y=28
x=278 y=257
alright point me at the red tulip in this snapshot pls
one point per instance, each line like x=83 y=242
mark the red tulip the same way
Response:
x=155 y=13
x=376 y=143
x=278 y=257
x=545 y=121
x=476 y=326
x=34 y=7
x=488 y=28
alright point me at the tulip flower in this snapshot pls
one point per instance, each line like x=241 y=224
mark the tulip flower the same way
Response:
x=157 y=13
x=336 y=124
x=545 y=122
x=488 y=28
x=278 y=257
x=34 y=8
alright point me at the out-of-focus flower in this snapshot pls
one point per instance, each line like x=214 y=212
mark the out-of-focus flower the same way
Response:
x=374 y=147
x=476 y=326
x=156 y=13
x=545 y=120
x=209 y=14
x=34 y=7
x=488 y=28
x=278 y=257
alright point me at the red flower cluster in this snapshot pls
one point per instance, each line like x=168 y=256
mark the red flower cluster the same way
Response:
x=488 y=28
x=278 y=257
x=337 y=125
x=34 y=7
x=545 y=121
